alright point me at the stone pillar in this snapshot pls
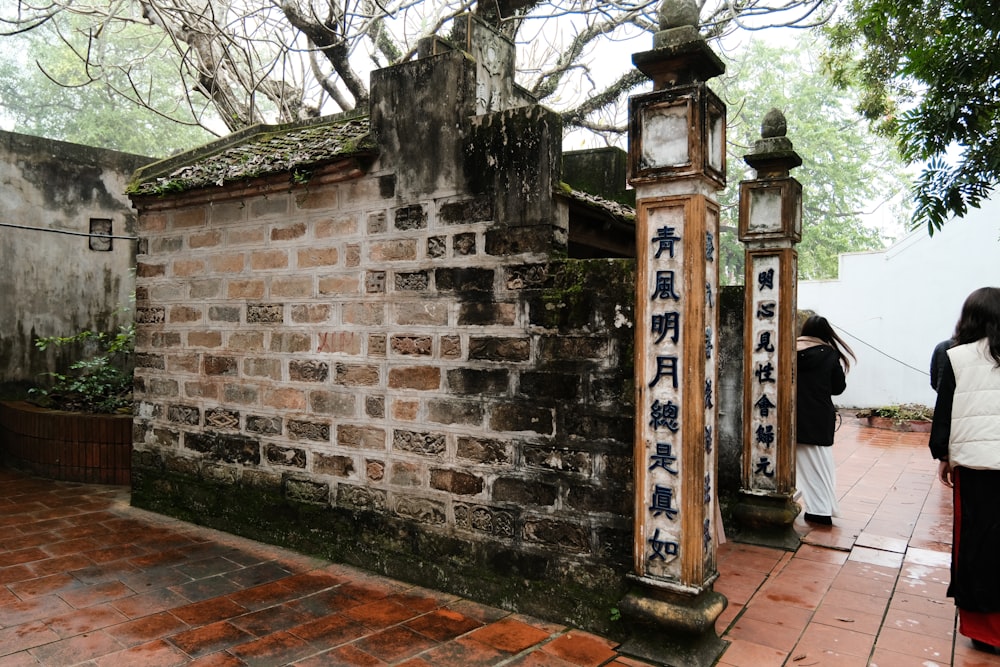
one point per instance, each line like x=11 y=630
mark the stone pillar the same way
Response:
x=676 y=165
x=770 y=226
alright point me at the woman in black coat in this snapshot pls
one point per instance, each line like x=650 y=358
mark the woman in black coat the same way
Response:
x=821 y=369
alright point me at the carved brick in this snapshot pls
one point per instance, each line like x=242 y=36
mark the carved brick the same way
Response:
x=308 y=370
x=420 y=443
x=291 y=457
x=423 y=510
x=309 y=430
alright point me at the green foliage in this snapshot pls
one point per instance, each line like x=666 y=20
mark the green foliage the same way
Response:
x=89 y=108
x=929 y=76
x=101 y=382
x=846 y=170
x=903 y=412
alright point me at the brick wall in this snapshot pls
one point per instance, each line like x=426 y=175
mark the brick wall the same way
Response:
x=353 y=370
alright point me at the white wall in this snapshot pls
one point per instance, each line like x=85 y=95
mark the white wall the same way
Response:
x=893 y=306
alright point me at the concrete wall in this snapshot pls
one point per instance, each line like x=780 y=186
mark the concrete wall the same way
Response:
x=52 y=283
x=894 y=306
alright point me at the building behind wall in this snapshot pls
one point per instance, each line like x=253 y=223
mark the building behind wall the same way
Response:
x=55 y=280
x=371 y=337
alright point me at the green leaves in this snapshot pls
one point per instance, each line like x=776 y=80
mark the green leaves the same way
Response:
x=101 y=382
x=846 y=170
x=937 y=61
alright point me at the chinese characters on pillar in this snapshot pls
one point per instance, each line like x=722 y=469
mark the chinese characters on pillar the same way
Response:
x=763 y=376
x=711 y=387
x=678 y=396
x=666 y=299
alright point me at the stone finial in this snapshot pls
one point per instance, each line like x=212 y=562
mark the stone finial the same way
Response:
x=678 y=13
x=773 y=154
x=773 y=125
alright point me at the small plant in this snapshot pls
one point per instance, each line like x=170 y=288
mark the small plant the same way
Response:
x=900 y=413
x=102 y=382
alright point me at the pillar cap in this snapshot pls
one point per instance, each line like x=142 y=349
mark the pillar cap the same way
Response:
x=773 y=154
x=680 y=54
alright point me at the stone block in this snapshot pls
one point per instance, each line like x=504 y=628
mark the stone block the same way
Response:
x=432 y=444
x=484 y=450
x=264 y=260
x=231 y=262
x=487 y=314
x=356 y=375
x=262 y=367
x=405 y=473
x=330 y=464
x=465 y=280
x=491 y=382
x=412 y=345
x=524 y=492
x=264 y=425
x=521 y=417
x=308 y=370
x=415 y=377
x=456 y=482
x=289 y=457
x=339 y=342
x=288 y=232
x=311 y=313
x=446 y=411
x=309 y=430
x=558 y=534
x=290 y=342
x=492 y=348
x=208 y=239
x=332 y=403
x=307 y=491
x=416 y=281
x=313 y=257
x=240 y=394
x=215 y=365
x=284 y=399
x=422 y=510
x=483 y=519
x=421 y=313
x=184 y=314
x=339 y=227
x=362 y=437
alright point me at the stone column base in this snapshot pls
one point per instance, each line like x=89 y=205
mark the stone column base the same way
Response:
x=767 y=520
x=672 y=629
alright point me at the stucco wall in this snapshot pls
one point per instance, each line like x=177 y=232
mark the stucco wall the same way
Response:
x=52 y=283
x=894 y=306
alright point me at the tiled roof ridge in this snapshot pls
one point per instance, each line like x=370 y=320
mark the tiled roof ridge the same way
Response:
x=257 y=151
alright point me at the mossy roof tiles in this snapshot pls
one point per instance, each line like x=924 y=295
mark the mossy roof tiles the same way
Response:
x=261 y=150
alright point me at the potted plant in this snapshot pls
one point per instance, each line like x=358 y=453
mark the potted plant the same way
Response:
x=78 y=427
x=903 y=417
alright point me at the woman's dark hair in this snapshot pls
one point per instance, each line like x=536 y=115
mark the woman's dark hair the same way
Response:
x=818 y=327
x=980 y=319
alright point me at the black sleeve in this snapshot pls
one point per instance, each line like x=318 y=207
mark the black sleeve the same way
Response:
x=838 y=381
x=941 y=424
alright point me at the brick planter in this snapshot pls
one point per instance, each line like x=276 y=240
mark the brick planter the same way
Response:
x=69 y=446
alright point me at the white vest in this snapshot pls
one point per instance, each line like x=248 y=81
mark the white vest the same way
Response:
x=975 y=416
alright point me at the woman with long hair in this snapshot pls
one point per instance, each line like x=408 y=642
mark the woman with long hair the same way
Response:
x=965 y=439
x=822 y=362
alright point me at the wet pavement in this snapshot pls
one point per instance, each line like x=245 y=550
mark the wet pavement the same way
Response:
x=87 y=579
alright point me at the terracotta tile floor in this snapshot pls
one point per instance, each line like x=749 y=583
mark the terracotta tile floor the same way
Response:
x=87 y=579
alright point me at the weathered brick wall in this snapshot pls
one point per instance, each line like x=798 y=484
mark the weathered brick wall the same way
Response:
x=323 y=366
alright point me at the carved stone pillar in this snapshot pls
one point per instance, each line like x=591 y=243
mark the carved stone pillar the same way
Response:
x=770 y=226
x=676 y=164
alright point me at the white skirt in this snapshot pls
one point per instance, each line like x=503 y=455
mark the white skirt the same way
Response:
x=815 y=477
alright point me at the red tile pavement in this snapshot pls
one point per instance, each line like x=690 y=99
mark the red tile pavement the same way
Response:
x=87 y=579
